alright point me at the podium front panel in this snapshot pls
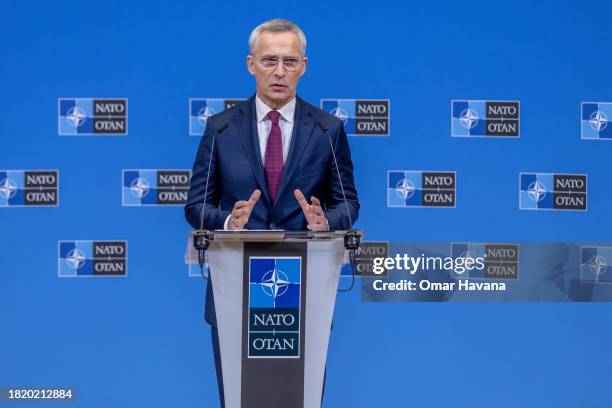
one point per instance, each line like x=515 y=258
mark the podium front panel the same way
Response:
x=274 y=304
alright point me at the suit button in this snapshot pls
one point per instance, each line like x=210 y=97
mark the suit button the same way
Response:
x=272 y=225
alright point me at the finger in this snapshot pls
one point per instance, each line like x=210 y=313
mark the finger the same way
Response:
x=236 y=223
x=240 y=204
x=301 y=200
x=239 y=212
x=316 y=227
x=253 y=199
x=317 y=211
x=310 y=214
x=309 y=210
x=243 y=218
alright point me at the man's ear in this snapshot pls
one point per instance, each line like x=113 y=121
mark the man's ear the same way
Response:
x=305 y=64
x=250 y=62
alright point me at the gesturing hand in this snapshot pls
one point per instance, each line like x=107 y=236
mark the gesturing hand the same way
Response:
x=242 y=211
x=313 y=212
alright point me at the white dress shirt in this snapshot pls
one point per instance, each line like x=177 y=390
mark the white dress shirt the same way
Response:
x=264 y=125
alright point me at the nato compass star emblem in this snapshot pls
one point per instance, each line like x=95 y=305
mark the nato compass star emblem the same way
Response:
x=469 y=118
x=340 y=114
x=8 y=188
x=76 y=258
x=465 y=256
x=140 y=187
x=536 y=191
x=404 y=189
x=76 y=116
x=598 y=265
x=598 y=120
x=274 y=283
x=204 y=113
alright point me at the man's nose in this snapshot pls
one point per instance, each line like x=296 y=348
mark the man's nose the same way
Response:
x=279 y=69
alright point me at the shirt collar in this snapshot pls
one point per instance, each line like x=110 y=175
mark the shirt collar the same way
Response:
x=287 y=112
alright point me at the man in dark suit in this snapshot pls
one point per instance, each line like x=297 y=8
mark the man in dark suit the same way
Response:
x=270 y=153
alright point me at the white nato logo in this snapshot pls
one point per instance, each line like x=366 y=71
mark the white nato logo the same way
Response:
x=598 y=120
x=76 y=116
x=598 y=265
x=465 y=256
x=8 y=188
x=76 y=258
x=204 y=113
x=340 y=114
x=536 y=191
x=469 y=118
x=274 y=283
x=140 y=187
x=404 y=189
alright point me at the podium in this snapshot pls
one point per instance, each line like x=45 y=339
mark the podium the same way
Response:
x=274 y=293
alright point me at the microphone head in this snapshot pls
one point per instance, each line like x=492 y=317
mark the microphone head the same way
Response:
x=222 y=127
x=322 y=126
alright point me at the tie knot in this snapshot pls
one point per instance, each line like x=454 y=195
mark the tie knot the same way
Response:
x=274 y=116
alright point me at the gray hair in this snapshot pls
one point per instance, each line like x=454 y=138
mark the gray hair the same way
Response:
x=277 y=25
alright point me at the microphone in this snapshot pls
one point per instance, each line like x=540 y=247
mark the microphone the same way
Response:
x=201 y=238
x=351 y=238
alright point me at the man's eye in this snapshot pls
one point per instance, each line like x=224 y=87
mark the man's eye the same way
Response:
x=291 y=61
x=270 y=60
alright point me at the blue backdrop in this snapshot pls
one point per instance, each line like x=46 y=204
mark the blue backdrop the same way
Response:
x=141 y=340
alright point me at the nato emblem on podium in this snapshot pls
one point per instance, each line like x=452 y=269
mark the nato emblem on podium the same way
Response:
x=274 y=307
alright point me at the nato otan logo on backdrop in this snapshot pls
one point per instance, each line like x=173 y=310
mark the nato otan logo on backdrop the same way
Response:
x=364 y=259
x=274 y=307
x=550 y=191
x=594 y=264
x=93 y=116
x=501 y=261
x=92 y=258
x=146 y=187
x=201 y=108
x=596 y=120
x=407 y=188
x=472 y=118
x=361 y=117
x=25 y=188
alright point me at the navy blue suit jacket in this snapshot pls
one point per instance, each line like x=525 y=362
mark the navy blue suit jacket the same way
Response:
x=237 y=170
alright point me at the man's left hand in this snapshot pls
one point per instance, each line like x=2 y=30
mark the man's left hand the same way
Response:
x=313 y=212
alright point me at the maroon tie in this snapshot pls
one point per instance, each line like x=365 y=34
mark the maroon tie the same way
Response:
x=273 y=162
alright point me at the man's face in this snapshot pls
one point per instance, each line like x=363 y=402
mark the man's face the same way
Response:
x=277 y=66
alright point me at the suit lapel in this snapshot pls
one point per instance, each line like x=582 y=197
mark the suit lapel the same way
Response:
x=303 y=126
x=247 y=128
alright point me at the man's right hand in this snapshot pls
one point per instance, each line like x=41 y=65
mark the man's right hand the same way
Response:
x=242 y=211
